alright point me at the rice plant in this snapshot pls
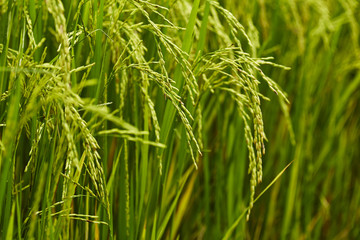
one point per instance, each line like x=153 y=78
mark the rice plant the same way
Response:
x=204 y=119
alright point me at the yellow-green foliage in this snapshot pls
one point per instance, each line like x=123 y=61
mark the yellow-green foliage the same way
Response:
x=134 y=119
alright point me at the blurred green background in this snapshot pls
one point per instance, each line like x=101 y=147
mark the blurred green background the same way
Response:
x=318 y=196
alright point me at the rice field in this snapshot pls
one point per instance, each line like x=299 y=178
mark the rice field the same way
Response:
x=177 y=119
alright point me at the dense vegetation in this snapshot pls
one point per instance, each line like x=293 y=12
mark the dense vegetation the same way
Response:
x=132 y=119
